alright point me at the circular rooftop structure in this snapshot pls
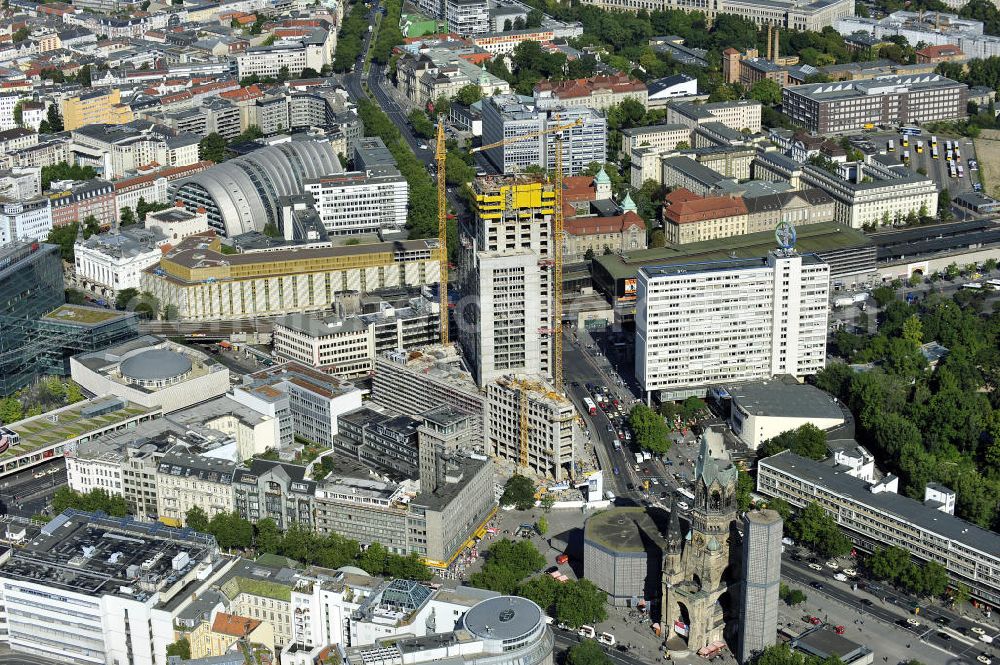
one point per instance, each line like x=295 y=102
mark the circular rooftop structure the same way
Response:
x=155 y=368
x=505 y=618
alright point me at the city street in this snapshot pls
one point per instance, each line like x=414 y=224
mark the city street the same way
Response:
x=885 y=616
x=23 y=494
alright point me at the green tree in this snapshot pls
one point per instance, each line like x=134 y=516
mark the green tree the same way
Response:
x=421 y=124
x=181 y=648
x=543 y=590
x=212 y=147
x=651 y=432
x=74 y=296
x=373 y=559
x=519 y=492
x=66 y=171
x=691 y=408
x=231 y=531
x=197 y=520
x=271 y=230
x=20 y=35
x=791 y=596
x=815 y=527
x=65 y=238
x=74 y=393
x=542 y=526
x=469 y=94
x=744 y=490
x=807 y=440
x=587 y=652
x=127 y=217
x=268 y=538
x=309 y=73
x=125 y=297
x=10 y=410
x=889 y=563
x=171 y=313
x=507 y=563
x=767 y=92
x=913 y=331
x=581 y=602
x=19 y=113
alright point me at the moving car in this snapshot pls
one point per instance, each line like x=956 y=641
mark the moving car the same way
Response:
x=817 y=585
x=815 y=566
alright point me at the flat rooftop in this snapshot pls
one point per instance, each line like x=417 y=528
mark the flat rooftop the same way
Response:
x=721 y=265
x=903 y=508
x=82 y=315
x=627 y=530
x=813 y=238
x=70 y=423
x=779 y=398
x=98 y=556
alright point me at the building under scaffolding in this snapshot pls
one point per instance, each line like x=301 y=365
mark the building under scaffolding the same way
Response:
x=531 y=426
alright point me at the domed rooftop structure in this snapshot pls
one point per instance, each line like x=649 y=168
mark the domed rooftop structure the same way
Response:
x=504 y=618
x=155 y=367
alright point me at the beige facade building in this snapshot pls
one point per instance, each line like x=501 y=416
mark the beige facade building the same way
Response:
x=793 y=14
x=94 y=107
x=690 y=218
x=807 y=206
x=185 y=481
x=595 y=234
x=598 y=92
x=657 y=137
x=738 y=115
x=204 y=284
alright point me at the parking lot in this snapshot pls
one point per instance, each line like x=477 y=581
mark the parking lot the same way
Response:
x=937 y=169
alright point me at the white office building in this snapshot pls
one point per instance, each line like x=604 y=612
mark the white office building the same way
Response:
x=361 y=201
x=98 y=590
x=25 y=220
x=705 y=324
x=509 y=116
x=467 y=17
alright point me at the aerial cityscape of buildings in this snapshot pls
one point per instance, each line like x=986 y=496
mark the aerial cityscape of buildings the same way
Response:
x=494 y=332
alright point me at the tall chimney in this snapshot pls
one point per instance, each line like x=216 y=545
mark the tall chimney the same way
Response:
x=768 y=41
x=777 y=52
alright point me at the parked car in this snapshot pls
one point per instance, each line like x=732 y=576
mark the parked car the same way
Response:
x=815 y=566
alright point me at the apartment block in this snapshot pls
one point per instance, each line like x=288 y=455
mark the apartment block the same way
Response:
x=186 y=480
x=505 y=315
x=348 y=346
x=28 y=220
x=361 y=201
x=274 y=490
x=379 y=439
x=467 y=17
x=308 y=402
x=703 y=324
x=517 y=401
x=101 y=106
x=874 y=516
x=801 y=208
x=85 y=199
x=874 y=193
x=506 y=116
x=846 y=106
x=660 y=138
x=738 y=115
x=503 y=43
x=411 y=381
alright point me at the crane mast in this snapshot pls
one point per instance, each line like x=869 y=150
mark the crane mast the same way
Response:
x=441 y=153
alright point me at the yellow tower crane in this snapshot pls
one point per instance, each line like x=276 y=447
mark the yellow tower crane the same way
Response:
x=557 y=238
x=441 y=153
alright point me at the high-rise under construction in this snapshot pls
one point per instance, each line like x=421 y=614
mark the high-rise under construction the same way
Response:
x=505 y=317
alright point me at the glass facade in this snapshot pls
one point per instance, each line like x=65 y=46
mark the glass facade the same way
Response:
x=31 y=285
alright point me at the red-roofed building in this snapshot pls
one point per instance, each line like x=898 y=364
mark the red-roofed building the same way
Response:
x=941 y=53
x=619 y=233
x=598 y=92
x=688 y=217
x=218 y=636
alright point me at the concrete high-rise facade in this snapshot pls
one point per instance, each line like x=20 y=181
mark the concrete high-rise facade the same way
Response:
x=761 y=581
x=703 y=324
x=505 y=316
x=445 y=432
